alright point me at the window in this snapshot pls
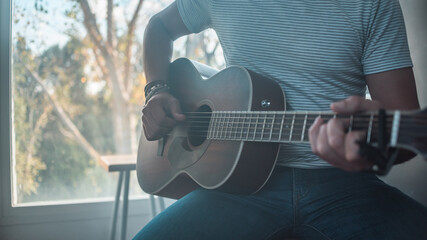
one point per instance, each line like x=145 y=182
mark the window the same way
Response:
x=76 y=92
x=75 y=95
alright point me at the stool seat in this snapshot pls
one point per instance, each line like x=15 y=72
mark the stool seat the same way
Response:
x=114 y=163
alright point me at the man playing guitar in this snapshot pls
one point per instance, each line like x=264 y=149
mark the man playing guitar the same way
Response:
x=319 y=53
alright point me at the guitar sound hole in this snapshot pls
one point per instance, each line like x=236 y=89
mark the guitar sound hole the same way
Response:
x=199 y=125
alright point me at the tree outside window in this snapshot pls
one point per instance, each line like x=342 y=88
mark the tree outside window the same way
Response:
x=77 y=91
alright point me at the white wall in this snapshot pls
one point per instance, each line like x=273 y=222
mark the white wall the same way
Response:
x=76 y=226
x=411 y=177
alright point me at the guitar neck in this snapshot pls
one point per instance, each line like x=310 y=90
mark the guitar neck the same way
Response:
x=291 y=127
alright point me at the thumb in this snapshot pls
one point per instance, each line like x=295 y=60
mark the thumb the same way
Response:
x=175 y=110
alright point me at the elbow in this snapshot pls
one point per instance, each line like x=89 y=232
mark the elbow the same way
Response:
x=156 y=28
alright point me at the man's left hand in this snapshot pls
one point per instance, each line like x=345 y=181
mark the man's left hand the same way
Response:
x=331 y=142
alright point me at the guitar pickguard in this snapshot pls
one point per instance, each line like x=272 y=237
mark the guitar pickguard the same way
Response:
x=183 y=154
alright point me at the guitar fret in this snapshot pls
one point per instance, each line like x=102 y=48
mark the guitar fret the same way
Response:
x=256 y=126
x=237 y=117
x=272 y=125
x=368 y=137
x=209 y=136
x=215 y=132
x=292 y=128
x=209 y=128
x=242 y=126
x=281 y=127
x=237 y=124
x=223 y=125
x=263 y=127
x=218 y=126
x=303 y=127
x=233 y=121
x=249 y=126
x=229 y=125
x=214 y=127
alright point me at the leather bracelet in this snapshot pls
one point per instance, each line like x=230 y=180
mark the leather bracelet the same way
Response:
x=151 y=84
x=155 y=90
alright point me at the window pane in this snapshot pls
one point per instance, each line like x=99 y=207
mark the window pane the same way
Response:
x=78 y=90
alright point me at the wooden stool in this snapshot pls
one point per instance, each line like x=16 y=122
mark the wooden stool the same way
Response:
x=124 y=164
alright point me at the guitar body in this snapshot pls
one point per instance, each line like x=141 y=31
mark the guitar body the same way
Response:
x=179 y=163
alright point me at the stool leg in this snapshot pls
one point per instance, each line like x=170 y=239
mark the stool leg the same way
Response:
x=125 y=205
x=161 y=203
x=116 y=207
x=153 y=206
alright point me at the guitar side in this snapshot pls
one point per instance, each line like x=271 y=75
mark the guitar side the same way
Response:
x=175 y=165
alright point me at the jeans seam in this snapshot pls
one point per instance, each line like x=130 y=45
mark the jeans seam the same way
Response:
x=307 y=188
x=278 y=230
x=294 y=198
x=317 y=230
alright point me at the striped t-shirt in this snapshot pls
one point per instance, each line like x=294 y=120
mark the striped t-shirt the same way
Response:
x=317 y=50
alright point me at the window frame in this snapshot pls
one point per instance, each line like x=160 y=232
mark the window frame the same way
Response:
x=52 y=211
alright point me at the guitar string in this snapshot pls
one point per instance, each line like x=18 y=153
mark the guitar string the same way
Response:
x=268 y=127
x=262 y=118
x=308 y=113
x=257 y=131
x=252 y=127
x=269 y=120
x=239 y=131
x=258 y=137
x=248 y=131
x=201 y=124
x=293 y=138
x=225 y=120
x=258 y=114
x=419 y=119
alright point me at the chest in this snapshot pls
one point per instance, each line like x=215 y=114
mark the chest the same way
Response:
x=316 y=34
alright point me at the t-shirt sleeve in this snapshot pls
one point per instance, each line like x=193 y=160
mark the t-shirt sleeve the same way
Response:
x=196 y=14
x=386 y=45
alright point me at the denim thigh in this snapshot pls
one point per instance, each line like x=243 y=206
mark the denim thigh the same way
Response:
x=343 y=205
x=307 y=204
x=209 y=214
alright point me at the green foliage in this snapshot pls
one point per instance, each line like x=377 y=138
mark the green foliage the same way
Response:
x=45 y=152
x=29 y=122
x=50 y=161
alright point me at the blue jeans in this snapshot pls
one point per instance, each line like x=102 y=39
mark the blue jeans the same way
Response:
x=306 y=204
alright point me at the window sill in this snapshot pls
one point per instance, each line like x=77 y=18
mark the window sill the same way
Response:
x=69 y=211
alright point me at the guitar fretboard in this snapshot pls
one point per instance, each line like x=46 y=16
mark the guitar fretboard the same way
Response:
x=285 y=127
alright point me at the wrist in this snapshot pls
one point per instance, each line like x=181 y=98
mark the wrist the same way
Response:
x=155 y=87
x=151 y=84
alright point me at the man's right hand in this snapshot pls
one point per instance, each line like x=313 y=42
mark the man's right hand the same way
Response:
x=160 y=114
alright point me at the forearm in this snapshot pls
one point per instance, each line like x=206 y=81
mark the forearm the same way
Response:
x=157 y=51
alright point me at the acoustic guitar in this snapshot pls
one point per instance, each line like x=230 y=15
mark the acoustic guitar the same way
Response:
x=236 y=121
